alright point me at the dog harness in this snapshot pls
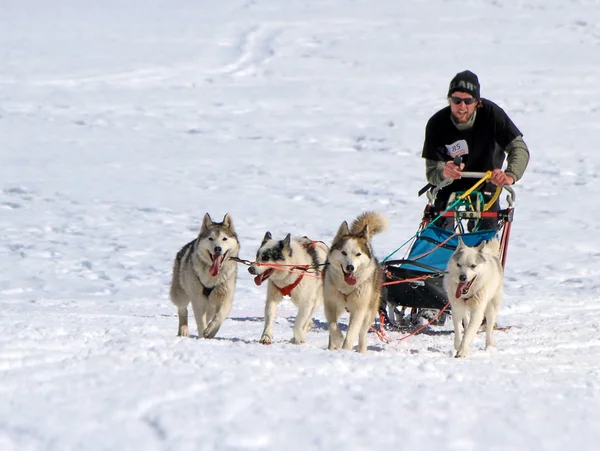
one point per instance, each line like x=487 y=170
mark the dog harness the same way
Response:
x=310 y=246
x=287 y=290
x=206 y=291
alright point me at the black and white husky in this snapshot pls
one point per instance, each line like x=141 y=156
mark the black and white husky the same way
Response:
x=282 y=263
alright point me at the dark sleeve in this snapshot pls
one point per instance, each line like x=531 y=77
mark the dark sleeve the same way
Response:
x=432 y=149
x=505 y=129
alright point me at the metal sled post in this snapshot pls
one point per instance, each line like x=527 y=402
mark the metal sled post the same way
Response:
x=510 y=211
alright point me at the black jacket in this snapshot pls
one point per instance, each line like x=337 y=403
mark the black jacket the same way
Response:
x=481 y=146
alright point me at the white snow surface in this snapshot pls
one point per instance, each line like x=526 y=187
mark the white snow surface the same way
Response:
x=123 y=123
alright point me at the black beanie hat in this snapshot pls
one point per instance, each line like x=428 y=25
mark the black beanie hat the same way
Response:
x=465 y=81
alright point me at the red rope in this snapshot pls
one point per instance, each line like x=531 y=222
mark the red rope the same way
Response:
x=383 y=337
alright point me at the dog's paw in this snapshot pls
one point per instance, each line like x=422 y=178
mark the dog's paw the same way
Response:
x=266 y=340
x=184 y=331
x=332 y=345
x=461 y=355
x=347 y=346
x=295 y=341
x=210 y=331
x=492 y=349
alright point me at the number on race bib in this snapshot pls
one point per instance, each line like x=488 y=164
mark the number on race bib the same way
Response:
x=457 y=148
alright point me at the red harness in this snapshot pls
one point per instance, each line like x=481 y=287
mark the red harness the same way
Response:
x=287 y=290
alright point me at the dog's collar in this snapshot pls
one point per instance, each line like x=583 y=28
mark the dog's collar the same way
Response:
x=206 y=291
x=287 y=290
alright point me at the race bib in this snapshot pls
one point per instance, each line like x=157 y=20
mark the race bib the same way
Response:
x=457 y=148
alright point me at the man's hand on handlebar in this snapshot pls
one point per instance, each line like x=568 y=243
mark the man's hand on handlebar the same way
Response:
x=499 y=178
x=452 y=171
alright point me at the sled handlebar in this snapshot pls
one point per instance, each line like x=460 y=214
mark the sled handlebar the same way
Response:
x=474 y=175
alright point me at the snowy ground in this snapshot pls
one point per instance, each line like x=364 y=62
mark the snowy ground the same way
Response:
x=122 y=123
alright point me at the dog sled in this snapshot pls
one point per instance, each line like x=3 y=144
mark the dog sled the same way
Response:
x=413 y=289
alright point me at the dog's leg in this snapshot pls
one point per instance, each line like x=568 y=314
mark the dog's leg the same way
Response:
x=309 y=321
x=223 y=308
x=183 y=330
x=180 y=299
x=466 y=318
x=364 y=329
x=181 y=302
x=210 y=311
x=356 y=320
x=274 y=297
x=476 y=317
x=490 y=318
x=332 y=314
x=458 y=316
x=198 y=306
x=304 y=311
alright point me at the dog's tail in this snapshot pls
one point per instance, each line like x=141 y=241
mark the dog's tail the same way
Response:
x=493 y=247
x=376 y=221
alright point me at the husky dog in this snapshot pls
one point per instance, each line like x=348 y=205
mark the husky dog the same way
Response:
x=352 y=281
x=205 y=275
x=295 y=255
x=474 y=284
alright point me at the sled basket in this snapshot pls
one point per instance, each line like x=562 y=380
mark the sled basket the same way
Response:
x=422 y=271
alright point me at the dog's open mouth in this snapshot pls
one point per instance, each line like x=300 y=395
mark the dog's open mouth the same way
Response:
x=217 y=263
x=349 y=277
x=463 y=288
x=262 y=277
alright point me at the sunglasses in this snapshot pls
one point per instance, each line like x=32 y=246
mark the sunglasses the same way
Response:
x=458 y=100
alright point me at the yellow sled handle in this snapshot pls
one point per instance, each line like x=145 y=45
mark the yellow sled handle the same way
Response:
x=483 y=177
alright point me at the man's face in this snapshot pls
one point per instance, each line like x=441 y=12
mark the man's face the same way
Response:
x=461 y=112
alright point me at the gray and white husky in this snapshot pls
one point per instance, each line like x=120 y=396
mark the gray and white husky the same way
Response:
x=305 y=289
x=474 y=285
x=352 y=281
x=205 y=275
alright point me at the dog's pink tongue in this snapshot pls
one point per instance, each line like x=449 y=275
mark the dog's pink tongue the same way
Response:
x=258 y=279
x=216 y=265
x=350 y=278
x=459 y=289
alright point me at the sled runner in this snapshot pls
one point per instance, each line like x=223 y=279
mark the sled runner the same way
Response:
x=415 y=283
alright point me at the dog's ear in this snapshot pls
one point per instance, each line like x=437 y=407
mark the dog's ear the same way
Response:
x=364 y=233
x=285 y=244
x=206 y=223
x=266 y=238
x=461 y=243
x=343 y=230
x=481 y=246
x=227 y=222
